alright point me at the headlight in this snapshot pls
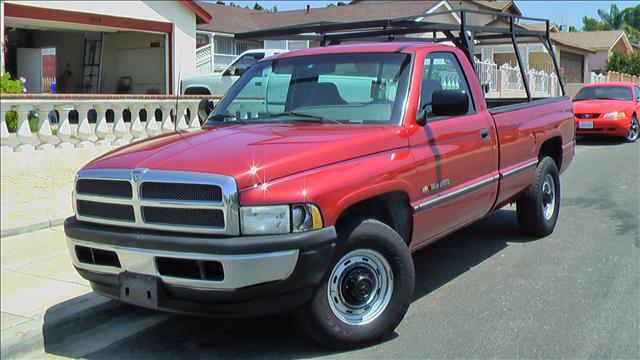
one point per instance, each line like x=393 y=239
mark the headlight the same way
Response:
x=615 y=115
x=280 y=219
x=261 y=220
x=305 y=217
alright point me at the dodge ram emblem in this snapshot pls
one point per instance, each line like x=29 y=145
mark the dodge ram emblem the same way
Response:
x=135 y=175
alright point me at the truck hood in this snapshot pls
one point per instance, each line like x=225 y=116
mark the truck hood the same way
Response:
x=600 y=106
x=254 y=153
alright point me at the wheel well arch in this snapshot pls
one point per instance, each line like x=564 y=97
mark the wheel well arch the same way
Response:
x=552 y=148
x=197 y=90
x=391 y=208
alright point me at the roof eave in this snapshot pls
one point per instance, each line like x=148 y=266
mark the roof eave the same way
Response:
x=574 y=47
x=202 y=15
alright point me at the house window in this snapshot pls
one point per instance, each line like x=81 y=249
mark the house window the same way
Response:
x=224 y=45
x=242 y=46
x=202 y=40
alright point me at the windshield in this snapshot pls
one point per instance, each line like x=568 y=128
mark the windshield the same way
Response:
x=337 y=88
x=605 y=92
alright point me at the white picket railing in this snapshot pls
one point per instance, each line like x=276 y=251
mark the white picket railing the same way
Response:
x=204 y=60
x=55 y=130
x=506 y=81
x=487 y=74
x=511 y=78
x=598 y=78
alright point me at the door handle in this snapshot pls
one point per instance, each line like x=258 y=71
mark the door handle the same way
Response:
x=484 y=134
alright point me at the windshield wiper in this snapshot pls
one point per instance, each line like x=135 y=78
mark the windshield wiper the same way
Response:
x=224 y=117
x=306 y=115
x=595 y=98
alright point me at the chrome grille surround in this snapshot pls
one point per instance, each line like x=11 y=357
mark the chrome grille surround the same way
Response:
x=228 y=205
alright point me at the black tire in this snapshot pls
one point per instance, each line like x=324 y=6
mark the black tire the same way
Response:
x=531 y=206
x=634 y=130
x=322 y=324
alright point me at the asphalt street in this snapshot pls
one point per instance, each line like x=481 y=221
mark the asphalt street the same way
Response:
x=484 y=292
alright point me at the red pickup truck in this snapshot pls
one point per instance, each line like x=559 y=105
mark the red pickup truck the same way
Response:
x=304 y=192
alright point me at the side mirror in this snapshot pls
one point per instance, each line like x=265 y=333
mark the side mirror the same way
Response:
x=449 y=103
x=205 y=107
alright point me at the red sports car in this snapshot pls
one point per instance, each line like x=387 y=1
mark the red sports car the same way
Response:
x=609 y=108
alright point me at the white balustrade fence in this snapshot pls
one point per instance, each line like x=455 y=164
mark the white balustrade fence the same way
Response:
x=511 y=78
x=598 y=78
x=111 y=127
x=488 y=74
x=506 y=81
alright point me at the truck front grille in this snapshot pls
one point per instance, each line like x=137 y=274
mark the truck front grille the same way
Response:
x=105 y=210
x=115 y=188
x=191 y=192
x=160 y=200
x=189 y=217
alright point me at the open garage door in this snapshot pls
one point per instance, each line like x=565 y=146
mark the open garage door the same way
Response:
x=133 y=63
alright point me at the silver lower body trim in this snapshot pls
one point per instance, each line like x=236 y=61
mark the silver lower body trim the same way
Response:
x=440 y=199
x=239 y=270
x=517 y=170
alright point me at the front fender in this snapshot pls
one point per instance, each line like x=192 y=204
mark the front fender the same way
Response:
x=333 y=188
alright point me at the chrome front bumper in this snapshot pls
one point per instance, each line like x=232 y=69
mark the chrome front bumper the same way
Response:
x=239 y=270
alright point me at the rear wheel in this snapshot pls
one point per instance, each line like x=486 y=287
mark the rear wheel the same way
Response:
x=538 y=209
x=367 y=291
x=634 y=129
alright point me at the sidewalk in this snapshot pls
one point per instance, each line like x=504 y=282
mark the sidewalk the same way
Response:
x=35 y=188
x=36 y=275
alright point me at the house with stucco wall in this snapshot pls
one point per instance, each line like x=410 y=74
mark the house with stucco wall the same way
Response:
x=603 y=44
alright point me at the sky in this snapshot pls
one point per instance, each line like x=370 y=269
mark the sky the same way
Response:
x=560 y=12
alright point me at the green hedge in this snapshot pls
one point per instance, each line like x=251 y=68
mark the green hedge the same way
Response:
x=10 y=86
x=623 y=63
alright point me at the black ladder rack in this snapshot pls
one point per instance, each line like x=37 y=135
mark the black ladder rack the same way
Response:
x=464 y=35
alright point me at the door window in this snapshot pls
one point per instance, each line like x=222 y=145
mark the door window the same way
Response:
x=442 y=71
x=637 y=93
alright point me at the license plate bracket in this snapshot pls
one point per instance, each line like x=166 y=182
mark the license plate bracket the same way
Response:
x=585 y=125
x=139 y=289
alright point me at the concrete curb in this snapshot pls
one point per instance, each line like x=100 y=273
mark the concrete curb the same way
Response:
x=31 y=227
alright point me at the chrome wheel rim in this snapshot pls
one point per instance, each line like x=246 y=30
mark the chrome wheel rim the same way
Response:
x=548 y=197
x=634 y=129
x=360 y=287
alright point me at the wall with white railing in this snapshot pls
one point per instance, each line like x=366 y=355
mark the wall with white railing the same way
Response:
x=597 y=78
x=506 y=82
x=88 y=121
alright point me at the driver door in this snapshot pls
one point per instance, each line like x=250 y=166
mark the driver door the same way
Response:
x=456 y=156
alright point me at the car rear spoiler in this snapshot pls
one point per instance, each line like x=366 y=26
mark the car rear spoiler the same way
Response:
x=464 y=35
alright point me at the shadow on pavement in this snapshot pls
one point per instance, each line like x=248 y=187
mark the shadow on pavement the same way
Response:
x=600 y=140
x=115 y=330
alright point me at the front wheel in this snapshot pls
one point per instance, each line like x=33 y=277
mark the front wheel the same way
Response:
x=634 y=129
x=367 y=290
x=538 y=209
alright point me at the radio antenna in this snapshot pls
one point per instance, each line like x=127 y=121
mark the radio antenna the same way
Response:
x=177 y=89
